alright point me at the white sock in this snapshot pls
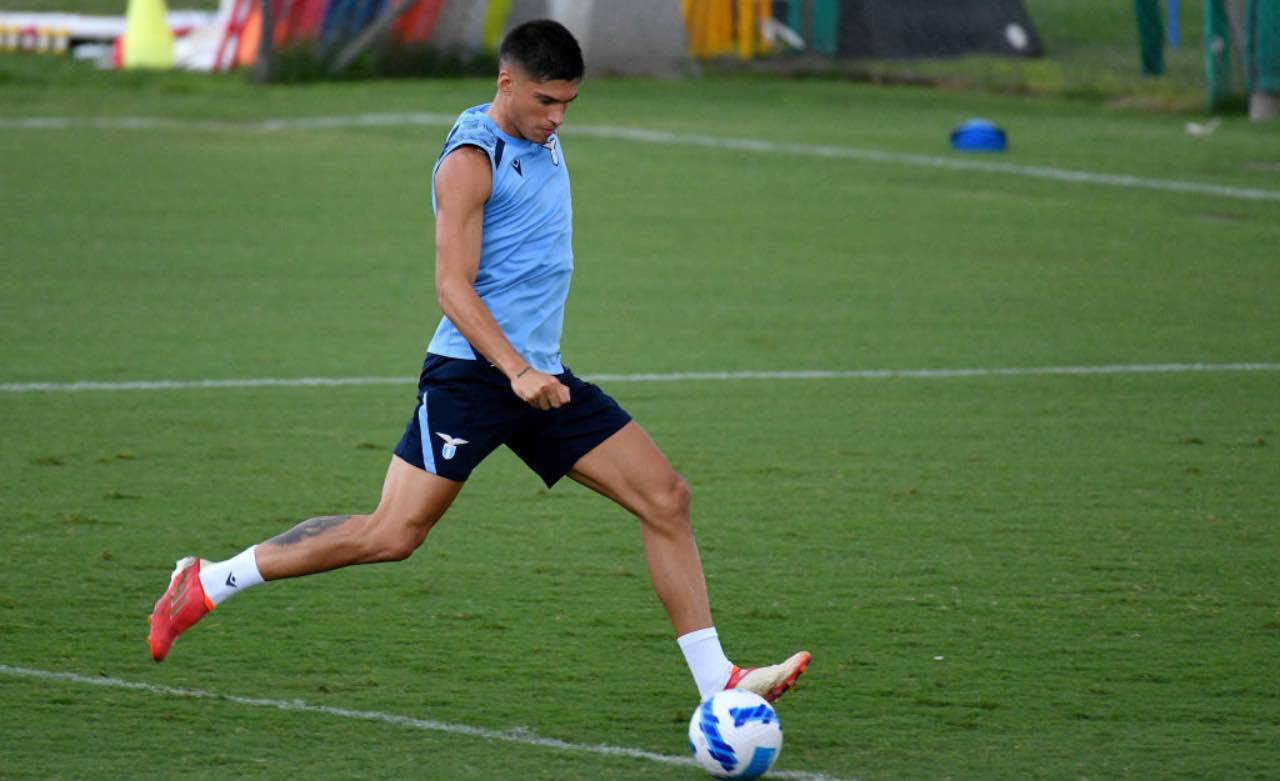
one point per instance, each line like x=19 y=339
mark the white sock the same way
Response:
x=225 y=579
x=710 y=667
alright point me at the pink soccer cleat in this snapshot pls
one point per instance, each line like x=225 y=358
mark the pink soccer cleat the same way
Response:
x=179 y=609
x=770 y=682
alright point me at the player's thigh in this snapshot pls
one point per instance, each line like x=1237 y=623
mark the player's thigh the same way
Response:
x=630 y=469
x=413 y=497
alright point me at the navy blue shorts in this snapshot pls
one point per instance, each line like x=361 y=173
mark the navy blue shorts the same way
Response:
x=467 y=408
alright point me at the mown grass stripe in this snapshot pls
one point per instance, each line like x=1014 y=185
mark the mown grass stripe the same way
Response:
x=642 y=135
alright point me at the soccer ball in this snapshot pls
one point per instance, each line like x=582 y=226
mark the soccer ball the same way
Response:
x=735 y=734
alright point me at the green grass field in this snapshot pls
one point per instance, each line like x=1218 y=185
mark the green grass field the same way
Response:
x=1003 y=576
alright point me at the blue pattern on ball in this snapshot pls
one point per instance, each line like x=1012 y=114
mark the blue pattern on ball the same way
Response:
x=760 y=762
x=761 y=713
x=717 y=747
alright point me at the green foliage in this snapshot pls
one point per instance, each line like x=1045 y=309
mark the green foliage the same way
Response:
x=306 y=64
x=1092 y=557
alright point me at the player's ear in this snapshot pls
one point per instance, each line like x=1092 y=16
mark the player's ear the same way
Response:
x=508 y=76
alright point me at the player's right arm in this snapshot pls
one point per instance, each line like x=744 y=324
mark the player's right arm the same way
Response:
x=463 y=184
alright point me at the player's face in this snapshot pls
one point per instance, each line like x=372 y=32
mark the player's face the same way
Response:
x=537 y=108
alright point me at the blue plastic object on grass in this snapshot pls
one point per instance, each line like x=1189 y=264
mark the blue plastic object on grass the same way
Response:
x=978 y=135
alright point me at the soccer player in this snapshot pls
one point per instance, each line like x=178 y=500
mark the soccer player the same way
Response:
x=492 y=376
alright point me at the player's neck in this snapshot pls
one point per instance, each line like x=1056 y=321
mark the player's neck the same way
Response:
x=497 y=112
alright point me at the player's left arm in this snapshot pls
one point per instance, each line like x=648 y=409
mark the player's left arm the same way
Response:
x=463 y=185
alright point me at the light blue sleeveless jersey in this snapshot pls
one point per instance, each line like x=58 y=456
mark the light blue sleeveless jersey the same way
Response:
x=527 y=255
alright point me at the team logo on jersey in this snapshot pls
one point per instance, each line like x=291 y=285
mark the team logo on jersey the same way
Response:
x=551 y=147
x=516 y=165
x=450 y=448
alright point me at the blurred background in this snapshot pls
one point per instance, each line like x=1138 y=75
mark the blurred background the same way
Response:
x=1162 y=54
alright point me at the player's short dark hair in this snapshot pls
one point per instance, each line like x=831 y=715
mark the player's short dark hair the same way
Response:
x=545 y=50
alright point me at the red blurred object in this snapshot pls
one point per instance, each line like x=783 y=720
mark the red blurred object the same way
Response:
x=417 y=24
x=305 y=19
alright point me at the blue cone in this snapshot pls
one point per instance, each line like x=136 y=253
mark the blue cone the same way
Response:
x=978 y=135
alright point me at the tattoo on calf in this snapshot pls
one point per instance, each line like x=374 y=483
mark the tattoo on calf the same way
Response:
x=309 y=528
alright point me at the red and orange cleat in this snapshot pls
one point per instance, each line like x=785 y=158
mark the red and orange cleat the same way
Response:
x=179 y=609
x=770 y=682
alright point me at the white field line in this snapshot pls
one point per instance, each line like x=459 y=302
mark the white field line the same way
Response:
x=864 y=374
x=642 y=135
x=520 y=735
x=931 y=161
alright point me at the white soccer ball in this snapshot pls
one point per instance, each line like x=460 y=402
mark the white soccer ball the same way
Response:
x=735 y=734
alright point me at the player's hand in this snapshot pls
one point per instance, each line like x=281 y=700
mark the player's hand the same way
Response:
x=540 y=390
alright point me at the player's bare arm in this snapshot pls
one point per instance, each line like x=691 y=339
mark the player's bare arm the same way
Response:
x=463 y=184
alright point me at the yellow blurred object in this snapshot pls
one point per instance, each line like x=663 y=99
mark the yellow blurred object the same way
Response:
x=746 y=17
x=494 y=18
x=148 y=41
x=764 y=10
x=718 y=28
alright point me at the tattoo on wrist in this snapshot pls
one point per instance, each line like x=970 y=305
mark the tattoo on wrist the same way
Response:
x=309 y=528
